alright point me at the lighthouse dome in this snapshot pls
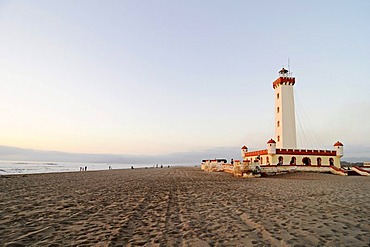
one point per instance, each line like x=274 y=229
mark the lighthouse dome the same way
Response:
x=339 y=148
x=244 y=151
x=338 y=143
x=271 y=147
x=271 y=141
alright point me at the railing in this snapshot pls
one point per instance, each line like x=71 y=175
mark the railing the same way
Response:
x=361 y=171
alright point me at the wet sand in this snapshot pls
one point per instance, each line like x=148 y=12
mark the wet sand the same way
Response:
x=183 y=207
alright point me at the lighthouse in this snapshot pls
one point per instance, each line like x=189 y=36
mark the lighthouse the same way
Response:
x=282 y=154
x=282 y=150
x=285 y=129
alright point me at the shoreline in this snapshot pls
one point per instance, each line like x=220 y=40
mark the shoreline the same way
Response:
x=183 y=206
x=15 y=168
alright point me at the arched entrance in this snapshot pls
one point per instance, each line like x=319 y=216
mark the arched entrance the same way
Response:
x=331 y=161
x=293 y=161
x=281 y=160
x=306 y=161
x=319 y=161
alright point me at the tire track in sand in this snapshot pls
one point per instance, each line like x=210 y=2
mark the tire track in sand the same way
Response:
x=171 y=236
x=261 y=231
x=128 y=225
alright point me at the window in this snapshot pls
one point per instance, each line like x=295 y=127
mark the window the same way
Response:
x=267 y=160
x=278 y=138
x=277 y=96
x=278 y=123
x=261 y=160
x=278 y=110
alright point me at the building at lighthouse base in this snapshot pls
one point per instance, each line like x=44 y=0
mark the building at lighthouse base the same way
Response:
x=274 y=160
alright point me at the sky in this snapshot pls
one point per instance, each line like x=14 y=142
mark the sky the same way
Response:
x=163 y=77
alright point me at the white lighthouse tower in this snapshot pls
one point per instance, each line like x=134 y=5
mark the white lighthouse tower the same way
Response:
x=285 y=129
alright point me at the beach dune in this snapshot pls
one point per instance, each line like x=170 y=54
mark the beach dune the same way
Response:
x=183 y=207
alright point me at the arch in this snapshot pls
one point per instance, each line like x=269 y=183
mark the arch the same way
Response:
x=267 y=160
x=319 y=161
x=331 y=161
x=306 y=161
x=261 y=162
x=281 y=160
x=293 y=160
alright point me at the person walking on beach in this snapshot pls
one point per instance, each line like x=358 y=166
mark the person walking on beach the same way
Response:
x=85 y=168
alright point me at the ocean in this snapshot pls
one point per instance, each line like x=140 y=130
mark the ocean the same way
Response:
x=31 y=167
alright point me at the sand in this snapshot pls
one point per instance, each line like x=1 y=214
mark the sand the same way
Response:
x=183 y=207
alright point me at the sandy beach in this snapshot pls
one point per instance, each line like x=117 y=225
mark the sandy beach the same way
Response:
x=183 y=207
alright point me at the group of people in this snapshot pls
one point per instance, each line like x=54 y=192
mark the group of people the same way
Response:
x=84 y=168
x=156 y=166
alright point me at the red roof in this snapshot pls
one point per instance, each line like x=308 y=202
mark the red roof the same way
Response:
x=244 y=147
x=271 y=141
x=338 y=143
x=283 y=80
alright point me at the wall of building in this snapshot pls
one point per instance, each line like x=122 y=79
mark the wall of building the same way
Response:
x=285 y=128
x=274 y=159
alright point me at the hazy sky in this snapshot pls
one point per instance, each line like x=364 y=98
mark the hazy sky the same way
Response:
x=161 y=77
